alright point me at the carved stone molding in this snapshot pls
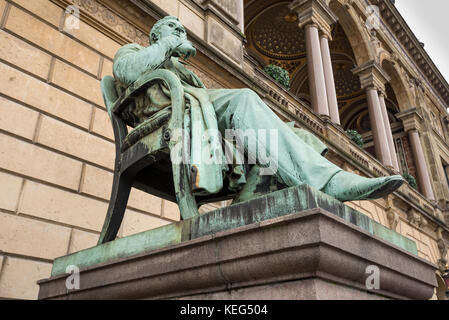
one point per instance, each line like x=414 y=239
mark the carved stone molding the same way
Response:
x=372 y=75
x=392 y=215
x=314 y=12
x=416 y=219
x=443 y=248
x=411 y=119
x=99 y=12
x=393 y=218
x=405 y=37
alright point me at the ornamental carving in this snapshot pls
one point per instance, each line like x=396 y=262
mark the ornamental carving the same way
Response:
x=276 y=34
x=109 y=18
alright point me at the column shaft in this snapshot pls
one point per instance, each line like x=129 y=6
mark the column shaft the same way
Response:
x=329 y=80
x=393 y=155
x=378 y=128
x=420 y=163
x=316 y=73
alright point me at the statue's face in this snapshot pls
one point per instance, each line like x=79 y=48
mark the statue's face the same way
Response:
x=172 y=27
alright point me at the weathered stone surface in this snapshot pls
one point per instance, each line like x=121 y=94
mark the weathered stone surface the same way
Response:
x=191 y=20
x=2 y=258
x=30 y=237
x=2 y=6
x=307 y=289
x=43 y=9
x=107 y=68
x=17 y=119
x=19 y=276
x=277 y=258
x=135 y=222
x=95 y=39
x=62 y=206
x=101 y=124
x=20 y=53
x=171 y=211
x=77 y=82
x=29 y=90
x=98 y=182
x=9 y=191
x=224 y=40
x=36 y=162
x=70 y=140
x=171 y=7
x=81 y=240
x=52 y=40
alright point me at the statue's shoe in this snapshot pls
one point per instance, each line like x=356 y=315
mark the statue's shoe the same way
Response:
x=346 y=186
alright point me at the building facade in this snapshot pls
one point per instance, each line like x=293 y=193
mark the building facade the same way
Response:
x=353 y=65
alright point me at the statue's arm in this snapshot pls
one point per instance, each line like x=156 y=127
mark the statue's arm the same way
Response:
x=132 y=60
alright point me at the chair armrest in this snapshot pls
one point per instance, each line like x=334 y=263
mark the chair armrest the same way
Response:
x=144 y=82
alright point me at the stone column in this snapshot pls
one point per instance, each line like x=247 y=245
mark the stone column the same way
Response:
x=317 y=82
x=420 y=163
x=412 y=120
x=373 y=79
x=329 y=79
x=393 y=155
x=378 y=127
x=316 y=17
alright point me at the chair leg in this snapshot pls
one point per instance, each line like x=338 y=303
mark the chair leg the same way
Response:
x=121 y=189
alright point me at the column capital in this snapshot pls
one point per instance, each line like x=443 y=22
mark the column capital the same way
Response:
x=314 y=12
x=411 y=119
x=325 y=35
x=371 y=75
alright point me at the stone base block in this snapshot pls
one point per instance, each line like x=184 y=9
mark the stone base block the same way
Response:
x=260 y=249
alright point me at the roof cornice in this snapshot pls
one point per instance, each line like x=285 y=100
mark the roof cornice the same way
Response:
x=405 y=36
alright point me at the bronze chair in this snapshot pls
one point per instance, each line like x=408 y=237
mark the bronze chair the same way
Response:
x=143 y=155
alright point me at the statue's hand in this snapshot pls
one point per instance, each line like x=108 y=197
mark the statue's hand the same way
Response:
x=186 y=49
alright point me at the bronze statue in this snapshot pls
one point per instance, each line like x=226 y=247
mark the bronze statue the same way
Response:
x=234 y=109
x=182 y=146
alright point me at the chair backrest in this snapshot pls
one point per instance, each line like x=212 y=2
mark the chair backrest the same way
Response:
x=109 y=93
x=110 y=96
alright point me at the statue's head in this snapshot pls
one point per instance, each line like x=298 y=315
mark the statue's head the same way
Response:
x=166 y=26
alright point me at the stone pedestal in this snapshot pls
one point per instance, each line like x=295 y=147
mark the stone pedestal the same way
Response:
x=296 y=243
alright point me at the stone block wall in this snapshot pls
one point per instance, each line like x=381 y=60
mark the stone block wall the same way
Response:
x=56 y=145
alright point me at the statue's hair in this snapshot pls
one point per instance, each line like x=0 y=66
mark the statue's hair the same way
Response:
x=154 y=33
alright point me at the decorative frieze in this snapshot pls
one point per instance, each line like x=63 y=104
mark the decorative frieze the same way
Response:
x=443 y=248
x=101 y=13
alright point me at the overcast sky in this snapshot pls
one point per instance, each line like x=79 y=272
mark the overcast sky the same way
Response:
x=429 y=20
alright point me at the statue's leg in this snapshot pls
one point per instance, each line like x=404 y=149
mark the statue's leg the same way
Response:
x=296 y=161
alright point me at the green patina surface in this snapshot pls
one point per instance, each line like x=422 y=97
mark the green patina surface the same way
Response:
x=272 y=205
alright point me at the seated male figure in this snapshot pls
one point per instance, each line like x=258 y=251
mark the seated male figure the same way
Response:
x=241 y=110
